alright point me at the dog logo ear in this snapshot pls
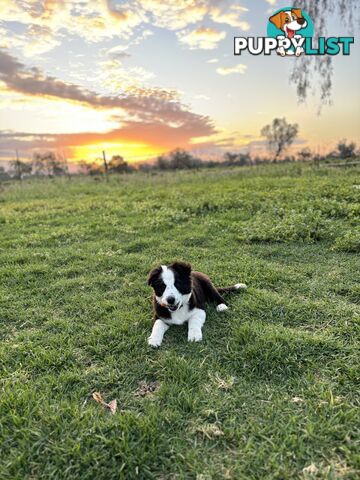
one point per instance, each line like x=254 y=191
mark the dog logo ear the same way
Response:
x=183 y=268
x=277 y=20
x=297 y=12
x=153 y=274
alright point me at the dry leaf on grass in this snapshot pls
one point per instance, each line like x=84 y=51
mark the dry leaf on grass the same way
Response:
x=98 y=398
x=224 y=383
x=146 y=388
x=112 y=406
x=209 y=430
x=297 y=400
x=310 y=469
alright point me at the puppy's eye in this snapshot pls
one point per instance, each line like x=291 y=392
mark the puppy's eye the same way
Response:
x=286 y=20
x=294 y=18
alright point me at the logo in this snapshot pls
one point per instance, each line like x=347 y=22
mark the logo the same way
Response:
x=290 y=32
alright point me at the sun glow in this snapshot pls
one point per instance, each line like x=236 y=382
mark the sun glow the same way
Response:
x=131 y=152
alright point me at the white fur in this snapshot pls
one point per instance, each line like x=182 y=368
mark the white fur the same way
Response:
x=240 y=285
x=157 y=334
x=180 y=316
x=168 y=278
x=196 y=322
x=222 y=307
x=195 y=318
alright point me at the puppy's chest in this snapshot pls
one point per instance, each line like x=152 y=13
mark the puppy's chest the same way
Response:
x=179 y=317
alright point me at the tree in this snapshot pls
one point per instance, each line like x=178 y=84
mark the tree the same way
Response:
x=313 y=73
x=280 y=135
x=96 y=169
x=239 y=159
x=182 y=159
x=18 y=168
x=83 y=168
x=162 y=163
x=3 y=174
x=48 y=164
x=178 y=159
x=118 y=165
x=346 y=150
x=305 y=154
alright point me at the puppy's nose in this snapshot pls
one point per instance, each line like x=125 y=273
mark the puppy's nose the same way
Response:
x=301 y=21
x=170 y=300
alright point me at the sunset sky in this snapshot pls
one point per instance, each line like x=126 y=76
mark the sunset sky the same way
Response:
x=140 y=78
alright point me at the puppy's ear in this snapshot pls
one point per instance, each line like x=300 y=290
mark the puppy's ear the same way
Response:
x=153 y=274
x=297 y=12
x=277 y=20
x=183 y=268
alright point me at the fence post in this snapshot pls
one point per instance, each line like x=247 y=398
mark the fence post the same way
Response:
x=105 y=166
x=18 y=166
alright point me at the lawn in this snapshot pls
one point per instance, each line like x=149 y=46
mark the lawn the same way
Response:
x=273 y=390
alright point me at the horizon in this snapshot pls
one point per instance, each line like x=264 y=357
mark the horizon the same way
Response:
x=142 y=80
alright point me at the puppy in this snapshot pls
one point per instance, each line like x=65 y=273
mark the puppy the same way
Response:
x=180 y=295
x=289 y=22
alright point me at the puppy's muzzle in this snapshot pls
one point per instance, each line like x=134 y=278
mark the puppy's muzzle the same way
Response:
x=174 y=307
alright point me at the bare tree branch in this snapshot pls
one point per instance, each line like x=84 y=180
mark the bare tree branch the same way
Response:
x=314 y=73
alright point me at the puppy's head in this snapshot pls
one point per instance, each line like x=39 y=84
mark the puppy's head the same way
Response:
x=289 y=21
x=171 y=284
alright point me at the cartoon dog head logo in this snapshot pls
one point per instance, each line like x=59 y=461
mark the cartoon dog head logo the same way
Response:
x=290 y=22
x=293 y=24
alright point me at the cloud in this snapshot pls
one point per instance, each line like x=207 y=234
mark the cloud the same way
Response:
x=272 y=2
x=205 y=38
x=240 y=68
x=213 y=60
x=114 y=75
x=231 y=16
x=201 y=96
x=144 y=114
x=175 y=14
x=98 y=20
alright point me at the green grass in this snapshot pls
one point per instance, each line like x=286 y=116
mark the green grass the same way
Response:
x=272 y=389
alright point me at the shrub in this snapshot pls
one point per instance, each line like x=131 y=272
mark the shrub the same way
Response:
x=348 y=242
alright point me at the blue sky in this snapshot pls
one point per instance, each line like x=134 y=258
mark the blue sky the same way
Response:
x=141 y=78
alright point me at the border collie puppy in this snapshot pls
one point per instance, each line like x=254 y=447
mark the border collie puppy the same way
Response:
x=180 y=295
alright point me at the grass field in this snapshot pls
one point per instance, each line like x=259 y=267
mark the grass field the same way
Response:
x=273 y=390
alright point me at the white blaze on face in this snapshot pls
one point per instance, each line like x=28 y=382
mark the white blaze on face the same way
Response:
x=168 y=278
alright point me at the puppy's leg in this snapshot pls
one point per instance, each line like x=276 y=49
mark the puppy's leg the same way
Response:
x=196 y=322
x=221 y=307
x=213 y=294
x=157 y=334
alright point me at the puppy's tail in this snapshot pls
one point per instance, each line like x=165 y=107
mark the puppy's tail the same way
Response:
x=232 y=288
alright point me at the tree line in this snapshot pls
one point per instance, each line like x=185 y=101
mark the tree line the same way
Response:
x=279 y=136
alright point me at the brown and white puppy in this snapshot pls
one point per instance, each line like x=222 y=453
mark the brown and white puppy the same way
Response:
x=180 y=295
x=290 y=22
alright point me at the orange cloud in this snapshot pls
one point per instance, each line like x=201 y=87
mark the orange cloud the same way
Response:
x=153 y=117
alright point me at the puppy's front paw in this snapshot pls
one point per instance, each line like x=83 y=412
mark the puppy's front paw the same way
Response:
x=194 y=336
x=154 y=342
x=222 y=307
x=241 y=286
